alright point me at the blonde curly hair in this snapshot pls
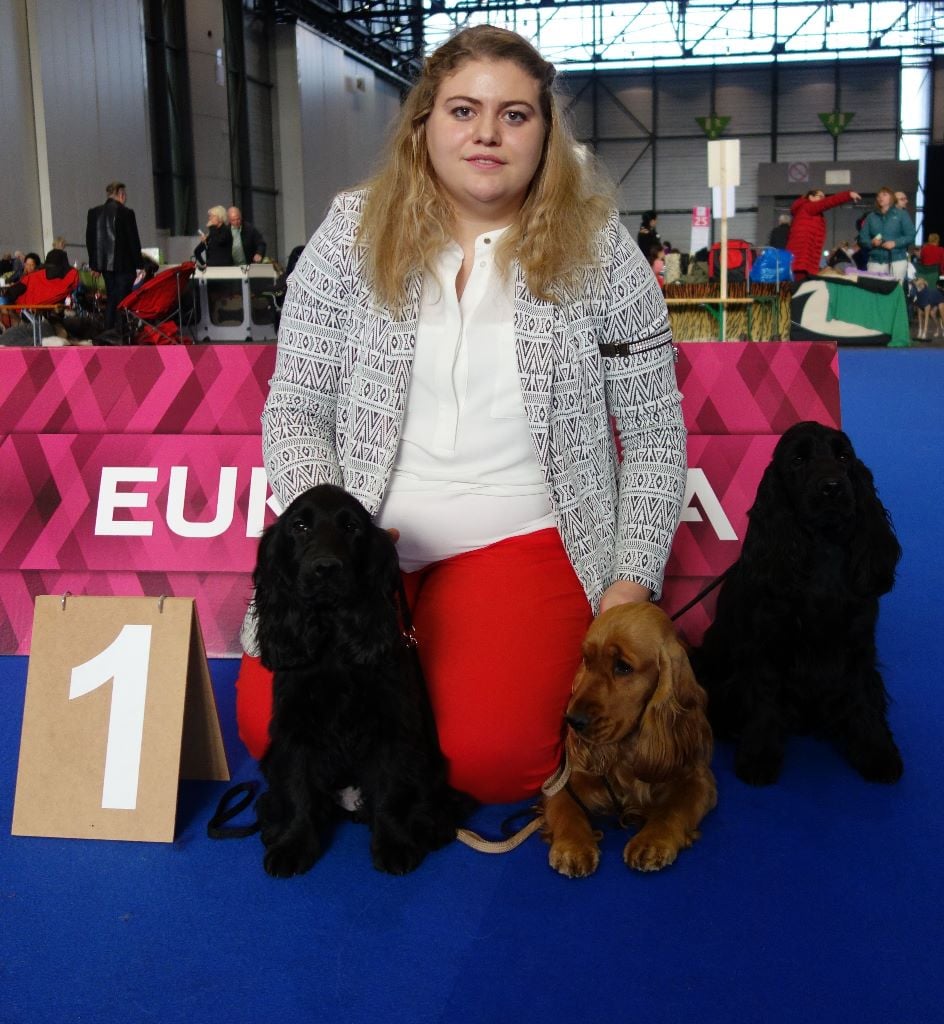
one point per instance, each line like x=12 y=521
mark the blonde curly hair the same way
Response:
x=407 y=218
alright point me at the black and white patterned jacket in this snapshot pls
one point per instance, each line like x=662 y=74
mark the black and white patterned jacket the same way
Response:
x=336 y=403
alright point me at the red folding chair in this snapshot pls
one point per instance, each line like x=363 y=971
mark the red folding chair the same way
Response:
x=154 y=312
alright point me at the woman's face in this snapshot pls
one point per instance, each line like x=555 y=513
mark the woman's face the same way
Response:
x=29 y=265
x=485 y=137
x=213 y=221
x=884 y=200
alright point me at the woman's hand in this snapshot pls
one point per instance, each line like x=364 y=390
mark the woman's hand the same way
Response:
x=624 y=592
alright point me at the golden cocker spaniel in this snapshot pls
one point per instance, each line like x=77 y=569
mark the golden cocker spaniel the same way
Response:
x=638 y=745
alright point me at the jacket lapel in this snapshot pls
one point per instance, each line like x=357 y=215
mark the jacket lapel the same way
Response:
x=535 y=321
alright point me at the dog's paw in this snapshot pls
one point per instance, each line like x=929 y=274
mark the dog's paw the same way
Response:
x=289 y=857
x=878 y=764
x=645 y=853
x=396 y=857
x=573 y=860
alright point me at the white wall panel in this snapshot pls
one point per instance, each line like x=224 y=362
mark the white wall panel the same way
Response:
x=629 y=167
x=624 y=110
x=91 y=101
x=805 y=147
x=868 y=146
x=681 y=173
x=804 y=93
x=681 y=98
x=210 y=108
x=871 y=93
x=345 y=112
x=20 y=223
x=745 y=97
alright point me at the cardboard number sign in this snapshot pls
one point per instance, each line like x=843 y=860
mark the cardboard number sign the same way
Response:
x=119 y=706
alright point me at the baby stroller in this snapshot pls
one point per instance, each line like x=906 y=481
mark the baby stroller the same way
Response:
x=154 y=314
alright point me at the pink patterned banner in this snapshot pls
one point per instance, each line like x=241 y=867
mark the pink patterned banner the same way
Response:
x=137 y=471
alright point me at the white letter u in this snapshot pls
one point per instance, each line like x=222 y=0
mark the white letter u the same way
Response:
x=225 y=504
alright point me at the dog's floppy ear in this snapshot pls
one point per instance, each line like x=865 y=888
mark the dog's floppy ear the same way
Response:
x=875 y=548
x=383 y=566
x=674 y=731
x=276 y=613
x=772 y=531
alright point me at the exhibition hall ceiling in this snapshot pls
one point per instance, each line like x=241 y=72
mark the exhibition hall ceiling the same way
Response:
x=585 y=34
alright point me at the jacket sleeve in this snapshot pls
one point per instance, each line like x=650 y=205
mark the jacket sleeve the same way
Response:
x=298 y=420
x=256 y=243
x=134 y=240
x=642 y=396
x=832 y=201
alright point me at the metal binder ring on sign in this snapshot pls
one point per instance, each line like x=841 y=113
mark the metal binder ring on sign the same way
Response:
x=160 y=604
x=62 y=603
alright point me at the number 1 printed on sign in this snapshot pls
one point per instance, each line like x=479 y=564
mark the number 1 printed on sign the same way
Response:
x=125 y=662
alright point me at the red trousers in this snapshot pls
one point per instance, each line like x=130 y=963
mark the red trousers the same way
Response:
x=499 y=633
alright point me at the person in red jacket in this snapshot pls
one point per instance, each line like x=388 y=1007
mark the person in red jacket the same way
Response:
x=932 y=252
x=808 y=230
x=47 y=286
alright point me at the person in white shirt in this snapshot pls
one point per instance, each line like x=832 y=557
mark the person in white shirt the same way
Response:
x=457 y=343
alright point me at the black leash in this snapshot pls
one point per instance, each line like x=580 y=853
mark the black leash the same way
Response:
x=716 y=582
x=217 y=827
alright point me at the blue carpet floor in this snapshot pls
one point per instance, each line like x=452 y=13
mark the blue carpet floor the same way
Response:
x=815 y=900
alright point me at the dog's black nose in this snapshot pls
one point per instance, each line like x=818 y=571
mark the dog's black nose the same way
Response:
x=578 y=722
x=325 y=567
x=830 y=487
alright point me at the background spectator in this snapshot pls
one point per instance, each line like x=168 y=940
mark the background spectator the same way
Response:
x=114 y=247
x=808 y=230
x=887 y=232
x=48 y=285
x=248 y=244
x=932 y=252
x=648 y=236
x=780 y=234
x=216 y=243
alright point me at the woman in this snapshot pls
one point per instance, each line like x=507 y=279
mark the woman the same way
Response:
x=216 y=244
x=453 y=342
x=648 y=237
x=808 y=229
x=886 y=233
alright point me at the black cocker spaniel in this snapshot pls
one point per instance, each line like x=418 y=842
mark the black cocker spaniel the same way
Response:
x=351 y=714
x=792 y=646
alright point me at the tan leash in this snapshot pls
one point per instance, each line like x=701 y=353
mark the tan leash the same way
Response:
x=476 y=842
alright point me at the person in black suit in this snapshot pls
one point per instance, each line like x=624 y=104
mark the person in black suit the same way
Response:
x=248 y=244
x=114 y=248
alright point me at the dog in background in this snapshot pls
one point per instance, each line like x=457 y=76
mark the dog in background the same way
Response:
x=351 y=714
x=638 y=746
x=792 y=645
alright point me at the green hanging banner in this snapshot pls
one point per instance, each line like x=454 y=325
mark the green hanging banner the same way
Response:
x=836 y=122
x=713 y=125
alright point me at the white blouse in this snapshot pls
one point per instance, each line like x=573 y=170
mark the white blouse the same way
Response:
x=466 y=474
